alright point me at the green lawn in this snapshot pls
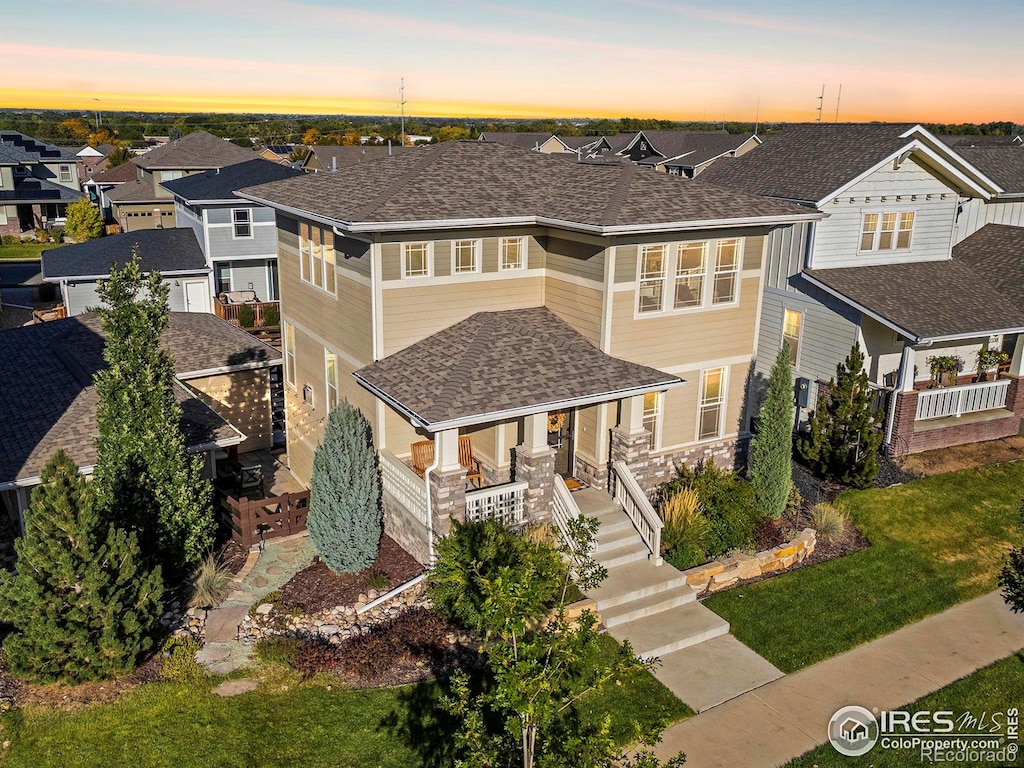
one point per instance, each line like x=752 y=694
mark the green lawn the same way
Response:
x=25 y=250
x=935 y=542
x=284 y=723
x=994 y=688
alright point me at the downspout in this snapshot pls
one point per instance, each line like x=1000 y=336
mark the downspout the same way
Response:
x=430 y=507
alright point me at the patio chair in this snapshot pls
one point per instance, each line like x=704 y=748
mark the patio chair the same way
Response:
x=423 y=457
x=250 y=477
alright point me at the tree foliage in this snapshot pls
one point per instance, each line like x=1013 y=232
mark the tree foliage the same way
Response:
x=771 y=449
x=119 y=156
x=346 y=519
x=81 y=602
x=84 y=221
x=845 y=433
x=1011 y=578
x=145 y=480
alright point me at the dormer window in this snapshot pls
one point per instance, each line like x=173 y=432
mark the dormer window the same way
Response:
x=64 y=173
x=887 y=231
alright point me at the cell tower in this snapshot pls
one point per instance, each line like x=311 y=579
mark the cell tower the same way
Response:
x=821 y=101
x=401 y=105
x=839 y=96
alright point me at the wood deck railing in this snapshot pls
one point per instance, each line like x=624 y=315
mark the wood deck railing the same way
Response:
x=230 y=313
x=58 y=312
x=252 y=521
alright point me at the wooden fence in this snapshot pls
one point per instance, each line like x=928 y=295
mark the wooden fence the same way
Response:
x=230 y=313
x=254 y=520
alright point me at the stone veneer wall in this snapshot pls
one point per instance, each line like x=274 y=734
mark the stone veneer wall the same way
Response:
x=407 y=531
x=661 y=467
x=722 y=573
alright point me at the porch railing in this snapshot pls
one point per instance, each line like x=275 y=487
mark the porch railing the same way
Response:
x=404 y=485
x=638 y=507
x=230 y=312
x=564 y=510
x=956 y=401
x=505 y=503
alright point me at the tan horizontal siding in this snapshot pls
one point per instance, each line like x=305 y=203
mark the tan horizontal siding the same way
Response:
x=574 y=258
x=243 y=398
x=679 y=407
x=399 y=433
x=579 y=307
x=587 y=438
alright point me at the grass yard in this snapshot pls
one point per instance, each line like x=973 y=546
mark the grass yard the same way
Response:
x=25 y=250
x=285 y=723
x=935 y=542
x=992 y=689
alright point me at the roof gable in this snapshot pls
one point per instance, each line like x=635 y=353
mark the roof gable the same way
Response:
x=194 y=151
x=221 y=183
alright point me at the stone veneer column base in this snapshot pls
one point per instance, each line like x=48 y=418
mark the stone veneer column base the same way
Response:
x=536 y=467
x=633 y=449
x=447 y=499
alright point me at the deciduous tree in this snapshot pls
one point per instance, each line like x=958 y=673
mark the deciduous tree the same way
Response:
x=84 y=221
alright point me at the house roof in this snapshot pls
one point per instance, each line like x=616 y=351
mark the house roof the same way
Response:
x=978 y=292
x=330 y=156
x=17 y=149
x=33 y=190
x=194 y=151
x=987 y=140
x=578 y=142
x=46 y=374
x=689 y=149
x=221 y=183
x=1003 y=163
x=497 y=365
x=466 y=183
x=136 y=191
x=119 y=174
x=164 y=250
x=522 y=140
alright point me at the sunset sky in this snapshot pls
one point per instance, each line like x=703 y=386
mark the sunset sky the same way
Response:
x=938 y=60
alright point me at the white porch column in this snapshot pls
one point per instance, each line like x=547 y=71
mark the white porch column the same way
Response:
x=899 y=427
x=446 y=448
x=905 y=381
x=535 y=431
x=1017 y=362
x=631 y=415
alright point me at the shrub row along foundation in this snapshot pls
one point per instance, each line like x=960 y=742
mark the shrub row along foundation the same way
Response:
x=723 y=573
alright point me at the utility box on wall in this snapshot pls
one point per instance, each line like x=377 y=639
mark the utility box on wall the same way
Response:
x=803 y=392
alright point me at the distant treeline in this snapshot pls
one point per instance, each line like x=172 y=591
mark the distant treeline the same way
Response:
x=71 y=127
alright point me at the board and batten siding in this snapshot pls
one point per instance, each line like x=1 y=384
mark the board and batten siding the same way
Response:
x=184 y=218
x=788 y=250
x=910 y=187
x=977 y=213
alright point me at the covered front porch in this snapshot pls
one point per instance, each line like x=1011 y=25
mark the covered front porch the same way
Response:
x=497 y=416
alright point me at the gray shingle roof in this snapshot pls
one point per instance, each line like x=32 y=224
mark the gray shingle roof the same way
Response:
x=499 y=362
x=119 y=174
x=979 y=291
x=221 y=183
x=809 y=161
x=329 y=156
x=692 y=148
x=134 y=192
x=1003 y=163
x=578 y=142
x=32 y=190
x=16 y=148
x=164 y=250
x=194 y=151
x=522 y=140
x=461 y=180
x=50 y=402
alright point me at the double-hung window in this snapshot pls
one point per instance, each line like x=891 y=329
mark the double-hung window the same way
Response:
x=691 y=263
x=791 y=326
x=512 y=253
x=887 y=231
x=316 y=257
x=305 y=251
x=465 y=256
x=329 y=260
x=712 y=401
x=727 y=267
x=653 y=269
x=289 y=353
x=241 y=222
x=331 y=379
x=416 y=259
x=652 y=417
x=64 y=173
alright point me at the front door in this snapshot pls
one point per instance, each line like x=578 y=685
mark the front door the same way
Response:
x=197 y=295
x=561 y=437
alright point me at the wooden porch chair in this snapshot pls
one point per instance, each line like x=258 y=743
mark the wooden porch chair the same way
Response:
x=423 y=457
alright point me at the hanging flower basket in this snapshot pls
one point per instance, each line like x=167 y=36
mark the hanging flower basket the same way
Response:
x=556 y=420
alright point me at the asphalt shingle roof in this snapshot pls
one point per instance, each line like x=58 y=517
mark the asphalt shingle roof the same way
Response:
x=1003 y=163
x=496 y=362
x=522 y=140
x=809 y=161
x=194 y=151
x=16 y=148
x=691 y=148
x=221 y=183
x=329 y=156
x=482 y=180
x=119 y=174
x=979 y=291
x=134 y=192
x=164 y=250
x=50 y=401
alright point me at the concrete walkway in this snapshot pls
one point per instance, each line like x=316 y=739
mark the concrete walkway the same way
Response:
x=783 y=719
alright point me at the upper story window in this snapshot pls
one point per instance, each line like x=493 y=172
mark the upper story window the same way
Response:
x=241 y=222
x=289 y=353
x=64 y=173
x=465 y=256
x=887 y=231
x=512 y=253
x=698 y=279
x=331 y=379
x=170 y=175
x=712 y=399
x=417 y=259
x=316 y=257
x=792 y=324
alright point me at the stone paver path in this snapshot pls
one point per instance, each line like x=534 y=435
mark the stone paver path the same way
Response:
x=236 y=687
x=783 y=719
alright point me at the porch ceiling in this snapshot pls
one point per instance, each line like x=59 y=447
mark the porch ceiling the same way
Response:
x=497 y=365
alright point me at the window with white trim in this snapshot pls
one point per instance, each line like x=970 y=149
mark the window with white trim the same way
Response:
x=887 y=231
x=241 y=222
x=712 y=402
x=305 y=251
x=416 y=259
x=727 y=268
x=691 y=263
x=317 y=257
x=331 y=379
x=465 y=256
x=64 y=173
x=653 y=269
x=289 y=353
x=652 y=418
x=697 y=280
x=329 y=260
x=170 y=175
x=512 y=253
x=792 y=325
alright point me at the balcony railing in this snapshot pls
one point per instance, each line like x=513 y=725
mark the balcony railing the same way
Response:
x=956 y=401
x=234 y=314
x=505 y=503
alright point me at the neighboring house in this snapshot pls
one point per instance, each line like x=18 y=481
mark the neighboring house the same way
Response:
x=37 y=181
x=103 y=182
x=330 y=158
x=238 y=239
x=474 y=289
x=175 y=253
x=687 y=153
x=223 y=386
x=143 y=203
x=277 y=153
x=883 y=270
x=540 y=142
x=92 y=160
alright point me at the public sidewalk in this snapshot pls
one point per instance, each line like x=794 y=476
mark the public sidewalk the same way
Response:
x=783 y=719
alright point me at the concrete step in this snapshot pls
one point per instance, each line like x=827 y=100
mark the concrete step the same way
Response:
x=635 y=581
x=616 y=538
x=612 y=525
x=659 y=602
x=671 y=630
x=627 y=554
x=594 y=502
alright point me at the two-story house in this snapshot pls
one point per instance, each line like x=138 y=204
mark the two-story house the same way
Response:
x=567 y=318
x=144 y=203
x=887 y=268
x=687 y=153
x=98 y=186
x=238 y=239
x=37 y=181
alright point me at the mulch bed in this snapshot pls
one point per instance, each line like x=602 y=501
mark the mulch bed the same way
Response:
x=317 y=588
x=57 y=696
x=231 y=555
x=446 y=662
